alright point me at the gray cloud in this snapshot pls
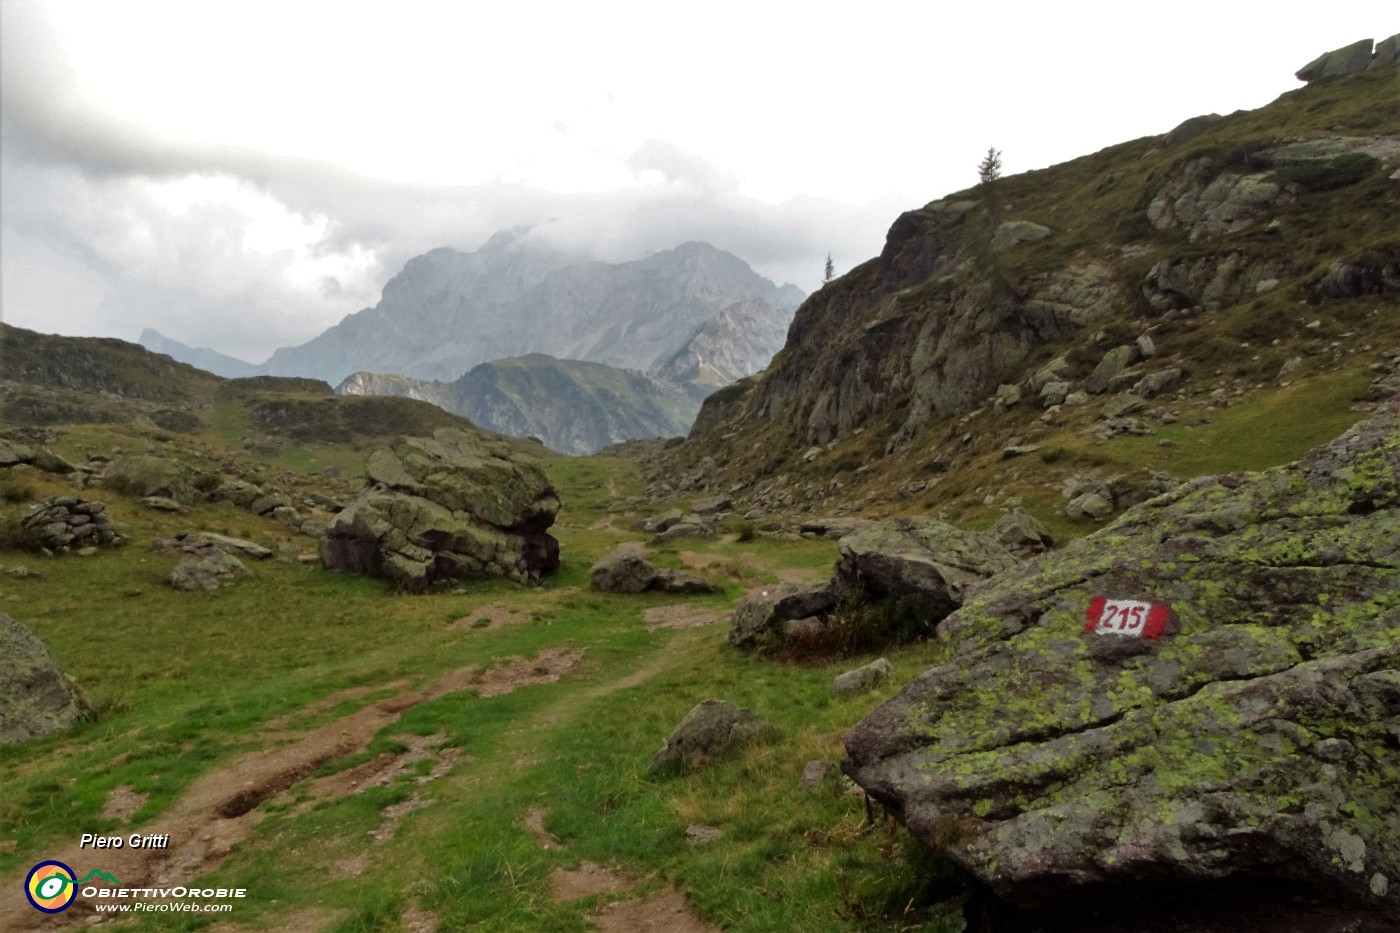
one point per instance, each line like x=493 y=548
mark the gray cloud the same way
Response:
x=77 y=187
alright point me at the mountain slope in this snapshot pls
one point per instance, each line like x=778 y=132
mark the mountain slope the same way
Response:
x=1234 y=245
x=739 y=341
x=574 y=407
x=211 y=361
x=448 y=311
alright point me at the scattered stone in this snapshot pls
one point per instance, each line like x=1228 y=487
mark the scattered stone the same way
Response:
x=712 y=506
x=690 y=526
x=709 y=730
x=1007 y=397
x=1146 y=347
x=1019 y=532
x=162 y=504
x=13 y=453
x=142 y=475
x=1289 y=367
x=1123 y=405
x=698 y=835
x=206 y=538
x=1054 y=393
x=626 y=570
x=659 y=523
x=50 y=462
x=817 y=773
x=1077 y=398
x=1155 y=384
x=458 y=504
x=831 y=527
x=1112 y=364
x=1090 y=505
x=206 y=567
x=36 y=698
x=862 y=679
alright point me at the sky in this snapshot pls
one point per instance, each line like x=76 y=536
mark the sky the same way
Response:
x=243 y=175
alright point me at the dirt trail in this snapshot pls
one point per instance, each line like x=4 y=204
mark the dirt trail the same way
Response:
x=220 y=808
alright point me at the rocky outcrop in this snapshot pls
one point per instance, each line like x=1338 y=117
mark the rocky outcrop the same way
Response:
x=1206 y=199
x=737 y=342
x=626 y=570
x=1351 y=59
x=457 y=504
x=710 y=729
x=36 y=698
x=142 y=475
x=206 y=567
x=1256 y=738
x=63 y=523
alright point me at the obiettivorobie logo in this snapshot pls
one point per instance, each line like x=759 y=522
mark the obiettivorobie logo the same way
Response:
x=52 y=886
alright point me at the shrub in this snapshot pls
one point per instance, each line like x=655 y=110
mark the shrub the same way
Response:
x=1339 y=172
x=747 y=531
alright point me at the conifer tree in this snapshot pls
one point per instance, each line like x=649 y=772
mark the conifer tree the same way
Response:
x=830 y=272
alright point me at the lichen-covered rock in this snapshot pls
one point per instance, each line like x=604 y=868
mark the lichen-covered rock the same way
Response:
x=36 y=698
x=767 y=618
x=144 y=475
x=457 y=504
x=710 y=729
x=1021 y=533
x=1261 y=740
x=689 y=526
x=917 y=556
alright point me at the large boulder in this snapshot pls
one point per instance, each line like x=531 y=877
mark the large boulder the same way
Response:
x=712 y=728
x=917 y=556
x=458 y=504
x=1348 y=60
x=766 y=619
x=1257 y=739
x=144 y=475
x=206 y=567
x=36 y=698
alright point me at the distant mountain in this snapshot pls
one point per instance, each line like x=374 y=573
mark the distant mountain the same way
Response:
x=737 y=342
x=575 y=407
x=448 y=311
x=211 y=361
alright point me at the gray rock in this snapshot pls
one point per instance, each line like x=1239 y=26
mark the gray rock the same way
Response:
x=1054 y=393
x=682 y=584
x=1051 y=372
x=1090 y=505
x=817 y=773
x=206 y=568
x=1019 y=532
x=1348 y=60
x=1387 y=52
x=162 y=504
x=224 y=542
x=1008 y=396
x=50 y=462
x=659 y=523
x=1112 y=364
x=1122 y=405
x=691 y=526
x=763 y=620
x=712 y=728
x=917 y=556
x=831 y=527
x=59 y=522
x=1154 y=384
x=1289 y=367
x=1088 y=770
x=13 y=453
x=862 y=679
x=1077 y=398
x=36 y=698
x=1146 y=347
x=144 y=475
x=458 y=504
x=240 y=492
x=711 y=506
x=696 y=834
x=1014 y=232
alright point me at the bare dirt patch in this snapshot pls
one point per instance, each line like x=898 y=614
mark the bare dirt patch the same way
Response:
x=663 y=912
x=590 y=878
x=534 y=822
x=682 y=615
x=121 y=803
x=488 y=618
x=219 y=809
x=417 y=920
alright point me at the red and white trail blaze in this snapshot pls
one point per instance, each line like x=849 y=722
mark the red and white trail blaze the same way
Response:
x=1127 y=617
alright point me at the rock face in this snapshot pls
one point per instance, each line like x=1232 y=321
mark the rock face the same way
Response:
x=60 y=523
x=737 y=342
x=916 y=556
x=456 y=504
x=1260 y=741
x=36 y=698
x=1350 y=59
x=710 y=729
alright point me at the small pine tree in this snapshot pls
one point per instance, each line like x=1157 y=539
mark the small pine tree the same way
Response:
x=990 y=168
x=830 y=272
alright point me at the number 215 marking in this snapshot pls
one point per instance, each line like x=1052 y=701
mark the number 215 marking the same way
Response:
x=1128 y=617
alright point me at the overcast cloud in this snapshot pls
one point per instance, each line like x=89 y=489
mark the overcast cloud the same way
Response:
x=243 y=175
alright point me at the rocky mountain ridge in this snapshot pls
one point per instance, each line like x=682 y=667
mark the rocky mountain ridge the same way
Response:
x=448 y=311
x=574 y=407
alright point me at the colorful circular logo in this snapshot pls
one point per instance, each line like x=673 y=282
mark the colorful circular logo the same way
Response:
x=50 y=887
